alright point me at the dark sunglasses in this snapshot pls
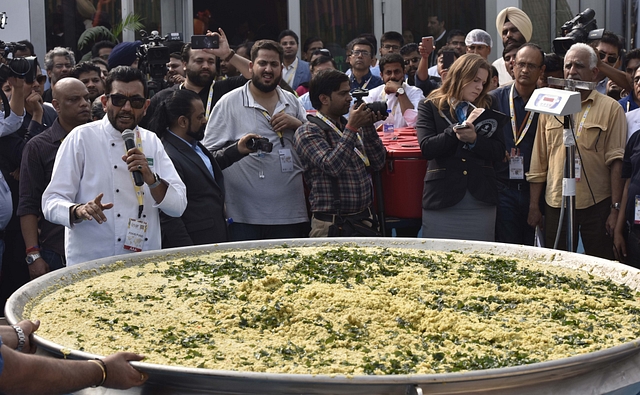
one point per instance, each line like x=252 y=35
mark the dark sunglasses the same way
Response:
x=610 y=58
x=117 y=100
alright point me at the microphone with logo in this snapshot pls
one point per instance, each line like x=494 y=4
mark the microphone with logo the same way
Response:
x=129 y=142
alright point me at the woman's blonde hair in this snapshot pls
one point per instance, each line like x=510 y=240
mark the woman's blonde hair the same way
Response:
x=461 y=73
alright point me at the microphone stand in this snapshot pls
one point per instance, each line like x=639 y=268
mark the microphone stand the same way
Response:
x=568 y=184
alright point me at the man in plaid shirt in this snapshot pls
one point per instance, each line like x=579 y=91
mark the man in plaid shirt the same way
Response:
x=334 y=151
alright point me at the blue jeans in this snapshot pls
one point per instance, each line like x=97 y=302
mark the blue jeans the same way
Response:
x=54 y=260
x=511 y=217
x=240 y=231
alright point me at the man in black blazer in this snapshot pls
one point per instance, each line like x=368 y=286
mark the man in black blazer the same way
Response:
x=181 y=122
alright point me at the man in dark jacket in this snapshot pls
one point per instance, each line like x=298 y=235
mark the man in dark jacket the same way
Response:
x=180 y=122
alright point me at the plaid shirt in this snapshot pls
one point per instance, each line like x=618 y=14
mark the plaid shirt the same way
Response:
x=324 y=154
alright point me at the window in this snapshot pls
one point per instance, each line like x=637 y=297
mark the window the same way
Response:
x=336 y=22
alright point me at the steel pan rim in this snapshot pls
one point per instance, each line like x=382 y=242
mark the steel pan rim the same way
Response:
x=589 y=361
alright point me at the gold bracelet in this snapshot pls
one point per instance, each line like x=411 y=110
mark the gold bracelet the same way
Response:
x=103 y=367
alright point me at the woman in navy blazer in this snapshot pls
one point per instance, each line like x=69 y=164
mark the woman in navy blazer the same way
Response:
x=460 y=192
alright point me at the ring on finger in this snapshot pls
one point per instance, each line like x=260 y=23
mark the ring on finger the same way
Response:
x=139 y=167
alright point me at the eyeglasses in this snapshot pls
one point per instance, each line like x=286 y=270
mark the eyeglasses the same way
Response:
x=41 y=79
x=137 y=102
x=391 y=47
x=363 y=53
x=529 y=66
x=412 y=60
x=610 y=58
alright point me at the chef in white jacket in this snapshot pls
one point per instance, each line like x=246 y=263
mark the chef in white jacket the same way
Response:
x=92 y=190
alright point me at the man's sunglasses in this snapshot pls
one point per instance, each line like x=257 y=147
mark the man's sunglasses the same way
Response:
x=610 y=58
x=117 y=100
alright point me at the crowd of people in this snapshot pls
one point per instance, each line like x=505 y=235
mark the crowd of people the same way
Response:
x=253 y=142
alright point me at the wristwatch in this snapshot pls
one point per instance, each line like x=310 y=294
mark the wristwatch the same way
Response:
x=32 y=258
x=400 y=91
x=157 y=182
x=616 y=206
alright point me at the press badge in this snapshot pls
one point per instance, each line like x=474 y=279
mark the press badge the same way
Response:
x=578 y=169
x=286 y=160
x=636 y=217
x=136 y=234
x=516 y=167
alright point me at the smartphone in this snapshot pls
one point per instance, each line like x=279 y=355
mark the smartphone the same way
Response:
x=205 y=42
x=427 y=42
x=448 y=57
x=462 y=125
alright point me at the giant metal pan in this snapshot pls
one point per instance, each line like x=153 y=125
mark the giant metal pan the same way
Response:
x=599 y=372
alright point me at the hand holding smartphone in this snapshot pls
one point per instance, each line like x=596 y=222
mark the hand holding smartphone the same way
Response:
x=427 y=44
x=205 y=42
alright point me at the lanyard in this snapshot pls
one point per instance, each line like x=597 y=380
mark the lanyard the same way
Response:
x=139 y=194
x=207 y=110
x=584 y=118
x=292 y=73
x=268 y=118
x=362 y=155
x=518 y=135
x=366 y=83
x=395 y=106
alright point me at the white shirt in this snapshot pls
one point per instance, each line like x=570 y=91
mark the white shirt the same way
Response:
x=633 y=122
x=278 y=197
x=400 y=120
x=289 y=72
x=433 y=71
x=89 y=162
x=503 y=74
x=10 y=124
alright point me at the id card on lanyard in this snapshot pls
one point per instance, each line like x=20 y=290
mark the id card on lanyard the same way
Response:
x=286 y=157
x=516 y=160
x=578 y=162
x=136 y=228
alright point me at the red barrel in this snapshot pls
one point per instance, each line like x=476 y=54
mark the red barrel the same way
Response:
x=403 y=178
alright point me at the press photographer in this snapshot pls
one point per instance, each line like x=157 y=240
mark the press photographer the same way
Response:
x=583 y=28
x=337 y=156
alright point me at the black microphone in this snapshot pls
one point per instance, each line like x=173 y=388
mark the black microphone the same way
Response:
x=129 y=142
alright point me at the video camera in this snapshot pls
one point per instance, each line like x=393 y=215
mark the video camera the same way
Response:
x=153 y=57
x=376 y=106
x=580 y=29
x=23 y=68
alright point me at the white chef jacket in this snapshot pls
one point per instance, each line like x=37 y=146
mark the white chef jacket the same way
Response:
x=89 y=162
x=400 y=120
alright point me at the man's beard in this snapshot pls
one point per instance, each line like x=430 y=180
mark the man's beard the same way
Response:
x=198 y=135
x=255 y=80
x=198 y=80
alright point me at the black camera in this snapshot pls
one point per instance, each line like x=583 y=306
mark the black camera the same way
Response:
x=582 y=28
x=259 y=143
x=24 y=68
x=376 y=106
x=205 y=42
x=153 y=57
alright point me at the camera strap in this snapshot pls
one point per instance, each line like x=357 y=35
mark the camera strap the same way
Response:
x=361 y=154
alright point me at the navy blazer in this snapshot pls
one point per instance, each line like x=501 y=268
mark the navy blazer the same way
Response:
x=203 y=221
x=453 y=167
x=303 y=74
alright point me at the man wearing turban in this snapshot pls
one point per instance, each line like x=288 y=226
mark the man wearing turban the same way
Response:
x=515 y=27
